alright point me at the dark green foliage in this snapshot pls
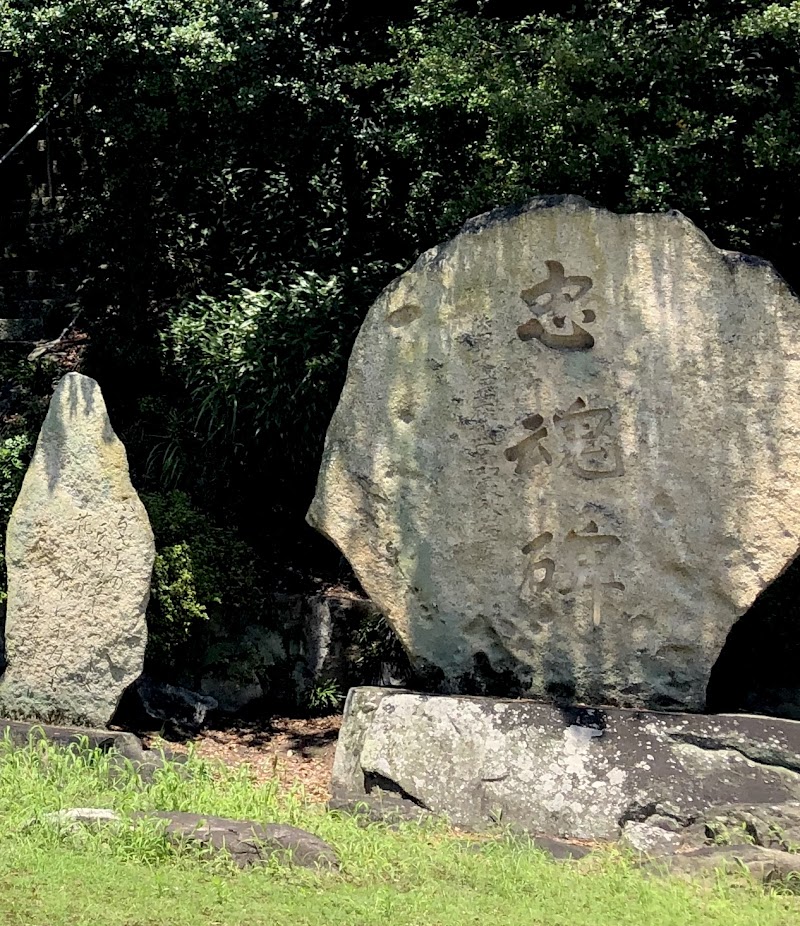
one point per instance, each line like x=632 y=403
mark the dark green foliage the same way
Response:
x=201 y=571
x=325 y=697
x=15 y=454
x=263 y=367
x=378 y=649
x=245 y=176
x=24 y=395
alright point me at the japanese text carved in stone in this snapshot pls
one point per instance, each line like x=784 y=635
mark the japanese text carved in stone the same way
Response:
x=581 y=438
x=552 y=302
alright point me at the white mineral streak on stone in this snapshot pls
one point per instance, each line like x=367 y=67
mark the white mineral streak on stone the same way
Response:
x=79 y=551
x=587 y=491
x=503 y=761
x=645 y=837
x=546 y=769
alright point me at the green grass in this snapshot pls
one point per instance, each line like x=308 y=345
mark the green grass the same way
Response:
x=411 y=876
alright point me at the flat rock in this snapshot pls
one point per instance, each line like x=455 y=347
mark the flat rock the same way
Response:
x=565 y=458
x=575 y=773
x=769 y=866
x=124 y=747
x=76 y=817
x=79 y=551
x=21 y=734
x=247 y=842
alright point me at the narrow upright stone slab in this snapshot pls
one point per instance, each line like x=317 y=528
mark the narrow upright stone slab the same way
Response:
x=79 y=551
x=567 y=455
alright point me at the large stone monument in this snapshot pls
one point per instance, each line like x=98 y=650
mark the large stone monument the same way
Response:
x=567 y=454
x=79 y=551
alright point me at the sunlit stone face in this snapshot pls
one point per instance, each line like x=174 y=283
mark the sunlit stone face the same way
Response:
x=567 y=455
x=79 y=552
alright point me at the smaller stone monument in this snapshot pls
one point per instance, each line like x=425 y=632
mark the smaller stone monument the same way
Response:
x=79 y=551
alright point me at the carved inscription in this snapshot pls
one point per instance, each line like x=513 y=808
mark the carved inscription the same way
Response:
x=552 y=302
x=580 y=438
x=579 y=563
x=531 y=450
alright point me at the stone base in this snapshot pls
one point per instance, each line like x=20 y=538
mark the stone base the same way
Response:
x=566 y=772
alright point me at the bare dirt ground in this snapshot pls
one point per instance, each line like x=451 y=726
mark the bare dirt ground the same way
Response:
x=297 y=751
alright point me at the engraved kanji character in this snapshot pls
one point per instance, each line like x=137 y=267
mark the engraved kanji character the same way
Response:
x=545 y=564
x=530 y=451
x=555 y=296
x=585 y=553
x=589 y=450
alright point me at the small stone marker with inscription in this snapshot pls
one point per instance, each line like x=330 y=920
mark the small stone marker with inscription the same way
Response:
x=79 y=551
x=567 y=455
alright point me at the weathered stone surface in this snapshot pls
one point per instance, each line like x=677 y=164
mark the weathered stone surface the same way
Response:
x=124 y=747
x=770 y=866
x=565 y=458
x=79 y=551
x=22 y=734
x=657 y=836
x=773 y=826
x=76 y=817
x=381 y=806
x=566 y=772
x=247 y=842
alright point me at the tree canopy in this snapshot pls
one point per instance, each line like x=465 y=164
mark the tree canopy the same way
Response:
x=243 y=176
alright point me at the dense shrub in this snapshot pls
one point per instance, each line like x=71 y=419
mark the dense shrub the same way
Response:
x=202 y=571
x=15 y=454
x=263 y=367
x=245 y=176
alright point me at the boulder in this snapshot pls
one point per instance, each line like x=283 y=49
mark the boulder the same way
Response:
x=569 y=772
x=79 y=552
x=183 y=711
x=564 y=460
x=247 y=842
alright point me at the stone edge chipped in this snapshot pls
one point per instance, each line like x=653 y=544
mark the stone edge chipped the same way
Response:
x=433 y=257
